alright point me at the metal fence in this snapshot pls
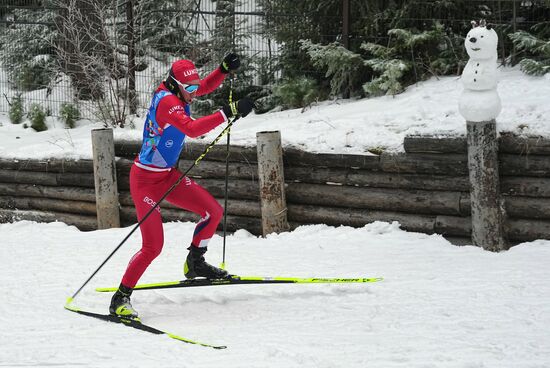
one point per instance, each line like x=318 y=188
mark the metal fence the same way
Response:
x=162 y=31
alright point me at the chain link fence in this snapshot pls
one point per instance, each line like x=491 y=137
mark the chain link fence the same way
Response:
x=56 y=52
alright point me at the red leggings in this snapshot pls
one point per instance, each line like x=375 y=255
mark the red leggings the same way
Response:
x=147 y=187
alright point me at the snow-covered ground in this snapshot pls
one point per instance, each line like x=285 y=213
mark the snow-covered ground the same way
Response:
x=438 y=306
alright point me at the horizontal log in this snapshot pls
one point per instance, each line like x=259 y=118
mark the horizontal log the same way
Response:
x=517 y=230
x=47 y=165
x=524 y=145
x=525 y=186
x=28 y=177
x=398 y=200
x=235 y=206
x=425 y=163
x=47 y=178
x=47 y=204
x=365 y=178
x=234 y=223
x=307 y=214
x=527 y=208
x=528 y=230
x=453 y=226
x=532 y=165
x=216 y=169
x=83 y=223
x=41 y=191
x=508 y=143
x=294 y=157
x=192 y=150
x=429 y=144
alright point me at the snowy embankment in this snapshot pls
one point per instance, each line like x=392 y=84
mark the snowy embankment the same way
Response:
x=439 y=305
x=341 y=126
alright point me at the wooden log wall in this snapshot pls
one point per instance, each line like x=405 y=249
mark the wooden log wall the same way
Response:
x=426 y=188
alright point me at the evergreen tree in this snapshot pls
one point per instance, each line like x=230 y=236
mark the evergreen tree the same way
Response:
x=37 y=116
x=17 y=110
x=537 y=52
x=165 y=27
x=26 y=53
x=343 y=67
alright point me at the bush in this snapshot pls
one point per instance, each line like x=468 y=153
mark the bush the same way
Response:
x=33 y=76
x=37 y=116
x=70 y=114
x=344 y=68
x=299 y=92
x=536 y=50
x=16 y=110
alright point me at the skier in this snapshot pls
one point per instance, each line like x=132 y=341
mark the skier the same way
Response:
x=167 y=124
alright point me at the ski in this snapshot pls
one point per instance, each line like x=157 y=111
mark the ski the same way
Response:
x=137 y=324
x=244 y=280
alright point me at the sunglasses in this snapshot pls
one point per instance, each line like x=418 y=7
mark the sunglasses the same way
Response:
x=189 y=88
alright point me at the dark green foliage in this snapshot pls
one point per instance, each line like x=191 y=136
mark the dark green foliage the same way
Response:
x=344 y=68
x=412 y=56
x=289 y=21
x=37 y=116
x=536 y=52
x=164 y=26
x=299 y=92
x=26 y=53
x=70 y=114
x=16 y=112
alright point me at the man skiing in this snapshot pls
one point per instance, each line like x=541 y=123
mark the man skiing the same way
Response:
x=167 y=124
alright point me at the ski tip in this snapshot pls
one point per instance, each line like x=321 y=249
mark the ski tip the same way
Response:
x=68 y=305
x=176 y=337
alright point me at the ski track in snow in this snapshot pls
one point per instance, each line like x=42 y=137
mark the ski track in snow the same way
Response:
x=439 y=305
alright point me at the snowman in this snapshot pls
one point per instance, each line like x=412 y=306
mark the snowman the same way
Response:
x=479 y=100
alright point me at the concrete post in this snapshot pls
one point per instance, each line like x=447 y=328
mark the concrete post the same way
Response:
x=272 y=182
x=487 y=212
x=106 y=191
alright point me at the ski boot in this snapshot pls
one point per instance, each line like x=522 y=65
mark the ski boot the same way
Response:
x=196 y=266
x=120 y=304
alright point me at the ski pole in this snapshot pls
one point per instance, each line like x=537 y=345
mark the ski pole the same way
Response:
x=182 y=176
x=222 y=266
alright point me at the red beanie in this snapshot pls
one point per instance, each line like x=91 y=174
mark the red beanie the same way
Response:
x=184 y=71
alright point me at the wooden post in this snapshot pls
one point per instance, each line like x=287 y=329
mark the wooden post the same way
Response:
x=272 y=182
x=106 y=192
x=487 y=212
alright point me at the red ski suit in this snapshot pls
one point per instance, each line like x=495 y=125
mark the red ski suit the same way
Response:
x=148 y=182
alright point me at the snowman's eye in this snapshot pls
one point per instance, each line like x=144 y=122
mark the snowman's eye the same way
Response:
x=481 y=36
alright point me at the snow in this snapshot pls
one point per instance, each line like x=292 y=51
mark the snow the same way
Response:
x=438 y=306
x=341 y=126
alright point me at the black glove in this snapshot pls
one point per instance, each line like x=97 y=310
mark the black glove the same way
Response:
x=239 y=108
x=230 y=63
